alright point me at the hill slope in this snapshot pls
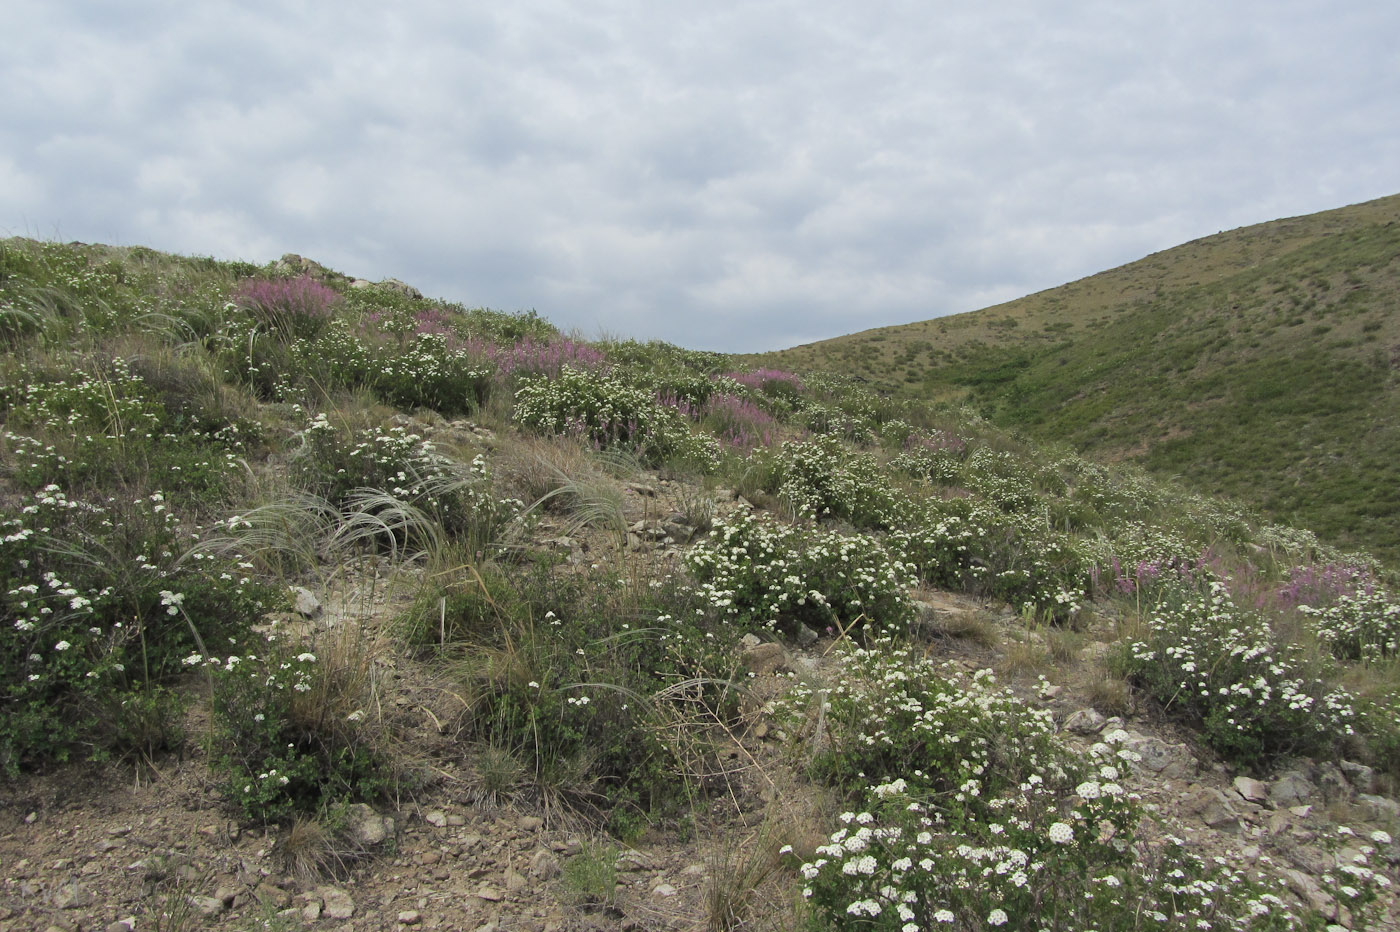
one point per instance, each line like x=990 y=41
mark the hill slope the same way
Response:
x=1261 y=363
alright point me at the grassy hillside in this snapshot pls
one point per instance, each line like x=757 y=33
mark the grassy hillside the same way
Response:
x=606 y=626
x=1263 y=363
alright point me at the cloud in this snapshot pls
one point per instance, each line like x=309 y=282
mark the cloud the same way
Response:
x=726 y=175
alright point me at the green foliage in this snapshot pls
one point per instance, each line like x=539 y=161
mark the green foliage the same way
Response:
x=763 y=574
x=289 y=733
x=99 y=605
x=1220 y=668
x=609 y=412
x=1360 y=626
x=430 y=373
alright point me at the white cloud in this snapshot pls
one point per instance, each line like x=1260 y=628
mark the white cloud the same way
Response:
x=729 y=175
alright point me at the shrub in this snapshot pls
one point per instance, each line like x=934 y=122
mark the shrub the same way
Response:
x=1218 y=666
x=290 y=731
x=99 y=607
x=1363 y=626
x=768 y=575
x=610 y=413
x=430 y=373
x=292 y=308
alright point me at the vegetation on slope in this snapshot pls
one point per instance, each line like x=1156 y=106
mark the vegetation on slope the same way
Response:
x=184 y=441
x=1263 y=363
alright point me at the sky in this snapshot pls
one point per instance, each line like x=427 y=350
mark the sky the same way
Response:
x=734 y=176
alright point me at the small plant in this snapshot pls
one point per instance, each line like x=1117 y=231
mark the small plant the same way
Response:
x=591 y=875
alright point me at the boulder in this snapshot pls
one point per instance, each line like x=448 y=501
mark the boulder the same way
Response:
x=1085 y=722
x=367 y=828
x=305 y=602
x=1252 y=790
x=1291 y=788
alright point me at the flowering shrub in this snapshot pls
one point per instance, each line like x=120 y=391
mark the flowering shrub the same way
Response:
x=765 y=574
x=289 y=307
x=105 y=429
x=610 y=412
x=1218 y=666
x=342 y=467
x=287 y=733
x=1364 y=626
x=737 y=422
x=821 y=479
x=97 y=606
x=430 y=373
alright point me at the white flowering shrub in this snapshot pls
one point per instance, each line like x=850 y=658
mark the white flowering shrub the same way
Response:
x=97 y=607
x=341 y=466
x=610 y=412
x=432 y=373
x=762 y=573
x=1360 y=626
x=1220 y=667
x=821 y=479
x=288 y=733
x=971 y=815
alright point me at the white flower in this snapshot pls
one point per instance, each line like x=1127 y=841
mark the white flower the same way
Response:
x=62 y=645
x=307 y=657
x=944 y=915
x=1380 y=837
x=1061 y=833
x=997 y=917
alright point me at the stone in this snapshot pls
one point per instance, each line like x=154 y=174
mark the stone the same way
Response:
x=765 y=658
x=409 y=917
x=1085 y=722
x=121 y=925
x=1361 y=777
x=530 y=823
x=1251 y=790
x=514 y=880
x=207 y=906
x=1173 y=761
x=1291 y=788
x=311 y=911
x=365 y=827
x=71 y=896
x=663 y=889
x=489 y=893
x=437 y=818
x=1307 y=888
x=1378 y=808
x=273 y=896
x=305 y=602
x=336 y=903
x=806 y=637
x=1333 y=783
x=408 y=291
x=544 y=865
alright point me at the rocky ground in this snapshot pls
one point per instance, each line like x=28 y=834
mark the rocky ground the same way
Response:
x=118 y=847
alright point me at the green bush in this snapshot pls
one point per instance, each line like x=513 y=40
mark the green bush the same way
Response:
x=763 y=574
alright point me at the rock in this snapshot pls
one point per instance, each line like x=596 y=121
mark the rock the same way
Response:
x=1252 y=790
x=361 y=283
x=514 y=880
x=1307 y=888
x=765 y=658
x=544 y=865
x=71 y=896
x=678 y=532
x=489 y=893
x=1292 y=788
x=663 y=889
x=207 y=906
x=1378 y=808
x=1085 y=722
x=437 y=818
x=642 y=489
x=530 y=823
x=1361 y=777
x=408 y=291
x=365 y=827
x=273 y=896
x=806 y=637
x=336 y=903
x=226 y=893
x=311 y=911
x=305 y=602
x=121 y=925
x=1333 y=783
x=1159 y=757
x=409 y=917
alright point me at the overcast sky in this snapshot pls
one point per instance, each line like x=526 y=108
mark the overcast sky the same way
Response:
x=724 y=175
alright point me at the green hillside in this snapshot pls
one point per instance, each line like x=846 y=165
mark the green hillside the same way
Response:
x=1261 y=363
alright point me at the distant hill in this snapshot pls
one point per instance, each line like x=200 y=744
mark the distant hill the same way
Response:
x=1263 y=363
